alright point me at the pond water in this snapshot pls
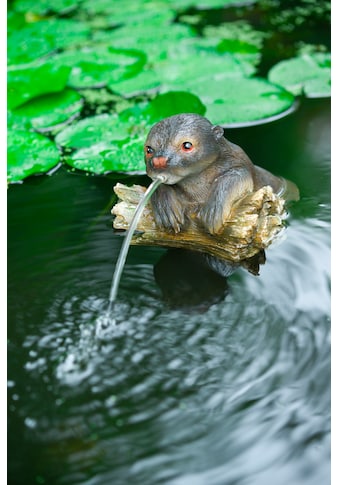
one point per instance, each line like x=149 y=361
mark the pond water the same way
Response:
x=224 y=383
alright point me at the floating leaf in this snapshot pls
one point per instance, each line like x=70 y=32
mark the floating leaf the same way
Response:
x=151 y=12
x=240 y=30
x=308 y=74
x=238 y=39
x=43 y=7
x=50 y=110
x=207 y=4
x=144 y=81
x=172 y=103
x=239 y=101
x=29 y=153
x=186 y=61
x=15 y=21
x=184 y=71
x=24 y=46
x=237 y=46
x=124 y=156
x=96 y=66
x=318 y=88
x=40 y=38
x=29 y=82
x=156 y=41
x=230 y=97
x=90 y=131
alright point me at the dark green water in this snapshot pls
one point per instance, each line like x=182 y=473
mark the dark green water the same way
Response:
x=233 y=390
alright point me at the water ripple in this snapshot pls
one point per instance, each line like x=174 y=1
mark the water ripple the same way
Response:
x=164 y=386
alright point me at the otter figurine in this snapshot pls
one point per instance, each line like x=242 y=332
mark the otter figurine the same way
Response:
x=200 y=169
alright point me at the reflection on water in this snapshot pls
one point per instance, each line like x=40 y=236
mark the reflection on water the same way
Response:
x=231 y=389
x=187 y=281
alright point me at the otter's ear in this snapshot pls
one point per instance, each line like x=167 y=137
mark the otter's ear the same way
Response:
x=218 y=132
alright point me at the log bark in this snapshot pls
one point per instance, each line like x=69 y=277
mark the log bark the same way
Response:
x=255 y=222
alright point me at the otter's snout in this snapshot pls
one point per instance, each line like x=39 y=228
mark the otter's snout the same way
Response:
x=159 y=162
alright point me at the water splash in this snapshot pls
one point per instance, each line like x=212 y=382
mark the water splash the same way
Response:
x=106 y=320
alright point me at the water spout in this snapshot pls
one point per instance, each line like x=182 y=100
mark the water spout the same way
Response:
x=126 y=243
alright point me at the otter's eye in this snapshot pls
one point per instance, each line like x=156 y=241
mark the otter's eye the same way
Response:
x=148 y=151
x=187 y=146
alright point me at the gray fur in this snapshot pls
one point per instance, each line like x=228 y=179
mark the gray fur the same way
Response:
x=207 y=180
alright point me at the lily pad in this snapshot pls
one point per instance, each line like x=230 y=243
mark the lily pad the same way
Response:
x=29 y=153
x=206 y=4
x=43 y=7
x=152 y=12
x=38 y=39
x=187 y=60
x=156 y=41
x=46 y=112
x=108 y=156
x=185 y=71
x=308 y=74
x=240 y=101
x=29 y=82
x=146 y=80
x=240 y=30
x=96 y=66
x=239 y=39
x=24 y=46
x=15 y=21
x=90 y=131
x=172 y=103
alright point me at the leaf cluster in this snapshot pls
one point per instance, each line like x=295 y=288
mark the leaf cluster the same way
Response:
x=149 y=63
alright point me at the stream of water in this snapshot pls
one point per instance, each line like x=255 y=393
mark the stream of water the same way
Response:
x=126 y=245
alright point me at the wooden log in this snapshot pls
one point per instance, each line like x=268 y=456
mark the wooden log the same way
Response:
x=255 y=222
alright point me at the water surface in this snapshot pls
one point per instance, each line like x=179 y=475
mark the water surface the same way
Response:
x=229 y=385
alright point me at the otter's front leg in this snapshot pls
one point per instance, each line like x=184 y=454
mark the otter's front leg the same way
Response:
x=168 y=209
x=226 y=189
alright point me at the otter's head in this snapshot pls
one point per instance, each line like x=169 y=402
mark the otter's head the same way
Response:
x=180 y=146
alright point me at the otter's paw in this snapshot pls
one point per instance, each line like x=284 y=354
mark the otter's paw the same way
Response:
x=212 y=217
x=167 y=209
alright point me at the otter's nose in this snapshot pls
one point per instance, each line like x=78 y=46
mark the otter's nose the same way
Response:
x=159 y=162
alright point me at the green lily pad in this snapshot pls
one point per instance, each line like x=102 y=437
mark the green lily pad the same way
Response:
x=24 y=46
x=173 y=103
x=156 y=41
x=189 y=57
x=29 y=153
x=238 y=39
x=240 y=101
x=186 y=71
x=229 y=96
x=96 y=66
x=46 y=112
x=103 y=157
x=237 y=46
x=140 y=117
x=90 y=131
x=38 y=39
x=151 y=12
x=29 y=82
x=15 y=21
x=308 y=74
x=43 y=7
x=145 y=81
x=240 y=30
x=207 y=4
x=186 y=61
